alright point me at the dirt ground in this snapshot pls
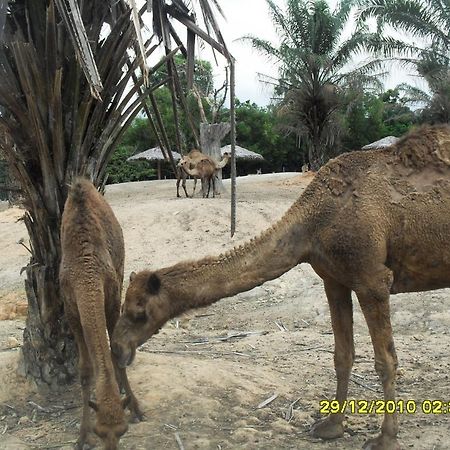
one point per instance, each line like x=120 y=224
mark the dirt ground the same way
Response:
x=203 y=379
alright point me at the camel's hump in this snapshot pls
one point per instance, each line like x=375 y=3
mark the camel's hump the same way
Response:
x=425 y=146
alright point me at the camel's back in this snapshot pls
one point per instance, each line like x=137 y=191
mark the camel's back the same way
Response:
x=393 y=204
x=418 y=164
x=425 y=148
x=90 y=232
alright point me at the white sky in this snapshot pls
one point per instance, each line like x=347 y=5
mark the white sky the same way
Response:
x=251 y=17
x=248 y=17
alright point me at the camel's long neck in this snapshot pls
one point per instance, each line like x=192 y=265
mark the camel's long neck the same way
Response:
x=264 y=258
x=189 y=171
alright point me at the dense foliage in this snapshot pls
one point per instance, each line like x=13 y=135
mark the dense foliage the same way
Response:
x=370 y=117
x=424 y=47
x=315 y=70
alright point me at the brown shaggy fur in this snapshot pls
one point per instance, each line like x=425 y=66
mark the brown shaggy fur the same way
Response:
x=91 y=277
x=376 y=223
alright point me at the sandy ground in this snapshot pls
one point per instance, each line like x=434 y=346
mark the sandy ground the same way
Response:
x=199 y=386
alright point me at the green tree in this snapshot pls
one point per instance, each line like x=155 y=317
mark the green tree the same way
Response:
x=203 y=77
x=398 y=118
x=419 y=21
x=258 y=129
x=364 y=122
x=314 y=58
x=371 y=117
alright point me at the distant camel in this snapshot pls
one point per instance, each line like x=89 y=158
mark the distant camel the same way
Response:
x=206 y=170
x=91 y=277
x=191 y=160
x=375 y=222
x=194 y=156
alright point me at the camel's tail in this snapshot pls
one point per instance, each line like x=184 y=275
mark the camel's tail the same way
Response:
x=80 y=189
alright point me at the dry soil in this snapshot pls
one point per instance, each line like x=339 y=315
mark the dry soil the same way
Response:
x=203 y=379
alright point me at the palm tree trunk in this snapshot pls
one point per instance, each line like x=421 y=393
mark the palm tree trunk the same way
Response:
x=49 y=353
x=49 y=350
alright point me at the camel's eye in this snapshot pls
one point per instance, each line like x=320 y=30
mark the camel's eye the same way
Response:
x=140 y=316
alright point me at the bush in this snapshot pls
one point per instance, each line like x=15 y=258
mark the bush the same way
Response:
x=120 y=170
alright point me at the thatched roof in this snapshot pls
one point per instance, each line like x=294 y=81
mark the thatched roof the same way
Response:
x=152 y=154
x=241 y=152
x=384 y=142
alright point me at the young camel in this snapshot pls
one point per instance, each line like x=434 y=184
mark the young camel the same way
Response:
x=373 y=222
x=91 y=277
x=194 y=156
x=206 y=170
x=190 y=161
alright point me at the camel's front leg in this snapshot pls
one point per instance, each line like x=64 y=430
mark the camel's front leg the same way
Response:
x=133 y=405
x=375 y=306
x=183 y=185
x=112 y=316
x=195 y=186
x=340 y=302
x=85 y=440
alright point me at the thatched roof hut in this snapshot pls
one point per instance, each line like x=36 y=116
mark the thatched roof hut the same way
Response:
x=154 y=154
x=242 y=153
x=381 y=143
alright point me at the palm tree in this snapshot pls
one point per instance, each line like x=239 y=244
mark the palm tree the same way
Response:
x=425 y=47
x=314 y=71
x=69 y=87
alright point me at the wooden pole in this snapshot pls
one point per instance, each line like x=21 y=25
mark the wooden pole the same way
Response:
x=158 y=166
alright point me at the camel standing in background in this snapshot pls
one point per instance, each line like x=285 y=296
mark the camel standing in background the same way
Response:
x=194 y=156
x=374 y=222
x=206 y=170
x=91 y=277
x=190 y=161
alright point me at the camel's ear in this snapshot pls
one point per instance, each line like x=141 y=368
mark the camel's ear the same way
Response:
x=153 y=284
x=93 y=405
x=132 y=276
x=126 y=401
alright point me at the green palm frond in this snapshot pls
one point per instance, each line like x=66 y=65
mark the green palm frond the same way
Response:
x=263 y=46
x=413 y=94
x=426 y=19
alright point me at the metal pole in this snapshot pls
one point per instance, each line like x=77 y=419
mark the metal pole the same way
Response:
x=233 y=144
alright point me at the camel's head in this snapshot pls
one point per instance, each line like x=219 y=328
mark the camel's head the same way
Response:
x=185 y=162
x=144 y=312
x=110 y=423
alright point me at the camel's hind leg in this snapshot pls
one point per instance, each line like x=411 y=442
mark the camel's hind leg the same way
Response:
x=213 y=182
x=341 y=309
x=112 y=305
x=374 y=301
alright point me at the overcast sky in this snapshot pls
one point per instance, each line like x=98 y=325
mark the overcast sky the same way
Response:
x=251 y=17
x=246 y=17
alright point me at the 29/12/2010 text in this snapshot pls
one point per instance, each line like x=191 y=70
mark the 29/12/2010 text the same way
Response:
x=384 y=406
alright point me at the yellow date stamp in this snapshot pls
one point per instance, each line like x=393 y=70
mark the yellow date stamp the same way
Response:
x=400 y=406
